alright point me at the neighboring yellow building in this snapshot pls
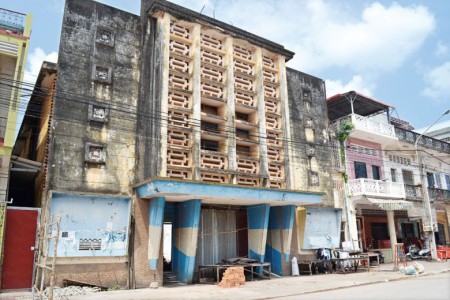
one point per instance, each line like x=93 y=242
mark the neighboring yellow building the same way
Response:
x=15 y=29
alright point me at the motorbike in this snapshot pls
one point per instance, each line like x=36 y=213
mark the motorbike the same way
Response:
x=414 y=252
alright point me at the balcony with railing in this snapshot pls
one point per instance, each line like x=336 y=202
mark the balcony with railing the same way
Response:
x=367 y=128
x=439 y=195
x=425 y=141
x=12 y=21
x=413 y=192
x=376 y=188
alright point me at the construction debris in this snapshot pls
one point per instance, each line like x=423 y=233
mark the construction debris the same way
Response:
x=233 y=277
x=66 y=292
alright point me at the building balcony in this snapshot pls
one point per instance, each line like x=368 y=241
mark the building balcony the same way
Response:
x=439 y=195
x=12 y=21
x=376 y=188
x=425 y=141
x=367 y=129
x=413 y=192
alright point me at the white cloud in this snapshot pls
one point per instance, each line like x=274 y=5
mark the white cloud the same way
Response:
x=357 y=83
x=34 y=63
x=328 y=33
x=441 y=49
x=438 y=83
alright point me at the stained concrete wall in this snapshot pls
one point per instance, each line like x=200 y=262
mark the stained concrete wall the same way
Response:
x=148 y=145
x=75 y=90
x=310 y=148
x=73 y=127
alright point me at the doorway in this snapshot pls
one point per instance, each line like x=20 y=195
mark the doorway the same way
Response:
x=20 y=243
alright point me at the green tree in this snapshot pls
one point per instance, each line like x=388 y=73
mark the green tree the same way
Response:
x=342 y=135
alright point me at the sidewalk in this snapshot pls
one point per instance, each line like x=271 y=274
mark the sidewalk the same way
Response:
x=263 y=289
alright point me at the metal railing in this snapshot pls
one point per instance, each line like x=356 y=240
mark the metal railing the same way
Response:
x=439 y=194
x=12 y=21
x=413 y=192
x=424 y=141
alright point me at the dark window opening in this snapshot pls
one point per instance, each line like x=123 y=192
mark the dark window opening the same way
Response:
x=430 y=179
x=242 y=150
x=360 y=170
x=211 y=127
x=379 y=231
x=242 y=133
x=376 y=172
x=209 y=145
x=209 y=109
x=393 y=175
x=241 y=116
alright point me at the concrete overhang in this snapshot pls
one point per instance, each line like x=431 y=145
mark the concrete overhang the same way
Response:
x=176 y=191
x=384 y=203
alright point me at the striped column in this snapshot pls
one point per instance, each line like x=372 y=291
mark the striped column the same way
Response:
x=185 y=234
x=155 y=225
x=281 y=221
x=258 y=220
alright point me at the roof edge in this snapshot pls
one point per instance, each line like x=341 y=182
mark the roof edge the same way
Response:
x=190 y=15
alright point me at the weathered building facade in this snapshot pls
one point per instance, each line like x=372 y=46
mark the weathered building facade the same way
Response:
x=384 y=199
x=172 y=131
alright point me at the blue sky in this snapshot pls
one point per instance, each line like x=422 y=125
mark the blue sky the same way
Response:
x=396 y=52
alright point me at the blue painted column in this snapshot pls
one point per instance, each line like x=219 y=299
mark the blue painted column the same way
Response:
x=258 y=220
x=281 y=221
x=155 y=225
x=185 y=235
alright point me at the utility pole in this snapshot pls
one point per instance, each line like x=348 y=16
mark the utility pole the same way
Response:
x=428 y=225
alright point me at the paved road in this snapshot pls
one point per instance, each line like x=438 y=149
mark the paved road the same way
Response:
x=422 y=288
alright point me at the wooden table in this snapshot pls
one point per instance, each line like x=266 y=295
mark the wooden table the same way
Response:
x=356 y=258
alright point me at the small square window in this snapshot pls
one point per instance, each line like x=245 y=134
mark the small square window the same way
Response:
x=98 y=112
x=101 y=74
x=105 y=36
x=95 y=153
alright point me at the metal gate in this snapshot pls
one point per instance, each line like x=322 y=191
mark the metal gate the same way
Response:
x=19 y=243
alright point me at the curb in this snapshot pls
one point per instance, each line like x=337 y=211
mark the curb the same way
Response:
x=407 y=277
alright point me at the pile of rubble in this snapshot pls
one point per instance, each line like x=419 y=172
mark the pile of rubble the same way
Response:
x=66 y=292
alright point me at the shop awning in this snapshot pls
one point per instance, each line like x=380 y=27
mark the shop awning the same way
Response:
x=388 y=204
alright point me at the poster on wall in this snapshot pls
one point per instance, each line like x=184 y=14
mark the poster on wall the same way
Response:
x=91 y=225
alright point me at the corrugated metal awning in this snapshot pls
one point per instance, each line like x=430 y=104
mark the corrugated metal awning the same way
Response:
x=391 y=204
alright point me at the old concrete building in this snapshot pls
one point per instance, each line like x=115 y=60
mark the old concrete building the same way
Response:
x=178 y=138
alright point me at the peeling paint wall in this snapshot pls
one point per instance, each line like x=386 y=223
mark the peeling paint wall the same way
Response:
x=310 y=157
x=95 y=40
x=102 y=232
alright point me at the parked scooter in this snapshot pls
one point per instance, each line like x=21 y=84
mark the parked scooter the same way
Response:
x=414 y=252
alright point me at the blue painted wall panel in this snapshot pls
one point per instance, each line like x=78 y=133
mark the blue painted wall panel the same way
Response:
x=322 y=228
x=91 y=222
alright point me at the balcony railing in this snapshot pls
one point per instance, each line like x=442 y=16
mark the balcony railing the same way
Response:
x=377 y=188
x=425 y=141
x=439 y=195
x=12 y=21
x=366 y=124
x=413 y=192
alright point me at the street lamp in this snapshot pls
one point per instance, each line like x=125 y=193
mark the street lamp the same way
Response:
x=425 y=196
